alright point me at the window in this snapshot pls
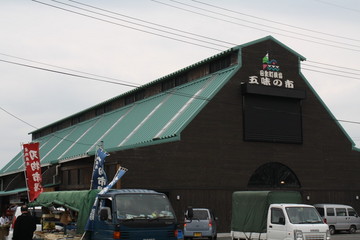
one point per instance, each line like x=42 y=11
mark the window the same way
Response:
x=352 y=212
x=201 y=214
x=277 y=216
x=143 y=206
x=340 y=212
x=330 y=211
x=321 y=211
x=303 y=215
x=105 y=203
x=274 y=175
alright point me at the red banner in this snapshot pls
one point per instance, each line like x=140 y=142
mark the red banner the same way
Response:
x=33 y=170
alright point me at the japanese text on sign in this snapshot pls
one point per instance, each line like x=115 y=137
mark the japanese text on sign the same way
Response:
x=33 y=170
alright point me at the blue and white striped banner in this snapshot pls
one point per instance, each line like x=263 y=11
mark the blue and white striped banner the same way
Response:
x=99 y=178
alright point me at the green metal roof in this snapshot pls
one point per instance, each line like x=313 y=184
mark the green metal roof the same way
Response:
x=153 y=120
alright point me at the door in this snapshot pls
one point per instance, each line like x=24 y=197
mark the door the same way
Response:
x=103 y=228
x=342 y=221
x=276 y=224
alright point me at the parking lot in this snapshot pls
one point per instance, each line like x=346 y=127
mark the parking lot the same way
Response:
x=337 y=236
x=345 y=236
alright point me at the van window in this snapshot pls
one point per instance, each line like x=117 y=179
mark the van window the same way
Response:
x=352 y=212
x=330 y=212
x=321 y=211
x=340 y=212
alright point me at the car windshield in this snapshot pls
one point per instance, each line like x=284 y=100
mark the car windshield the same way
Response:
x=303 y=215
x=143 y=206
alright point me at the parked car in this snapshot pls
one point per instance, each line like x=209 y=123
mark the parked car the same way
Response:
x=339 y=217
x=200 y=223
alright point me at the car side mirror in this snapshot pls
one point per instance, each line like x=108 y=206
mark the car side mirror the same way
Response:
x=282 y=221
x=105 y=213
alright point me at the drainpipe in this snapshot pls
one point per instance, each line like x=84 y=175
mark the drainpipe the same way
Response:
x=56 y=173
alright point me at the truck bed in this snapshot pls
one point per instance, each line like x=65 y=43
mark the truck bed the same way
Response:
x=247 y=235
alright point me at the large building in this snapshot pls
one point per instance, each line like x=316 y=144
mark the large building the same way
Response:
x=245 y=119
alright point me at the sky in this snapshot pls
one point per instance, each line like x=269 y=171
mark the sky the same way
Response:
x=61 y=57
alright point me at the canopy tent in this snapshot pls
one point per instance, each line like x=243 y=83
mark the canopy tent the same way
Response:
x=79 y=201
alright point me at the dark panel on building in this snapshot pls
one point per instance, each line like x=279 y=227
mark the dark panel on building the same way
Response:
x=272 y=119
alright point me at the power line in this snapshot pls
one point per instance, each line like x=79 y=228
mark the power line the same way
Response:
x=330 y=69
x=74 y=75
x=171 y=92
x=68 y=74
x=259 y=24
x=18 y=118
x=87 y=5
x=338 y=6
x=155 y=24
x=136 y=85
x=137 y=24
x=256 y=28
x=27 y=123
x=69 y=69
x=126 y=26
x=337 y=66
x=113 y=82
x=333 y=74
x=272 y=21
x=176 y=39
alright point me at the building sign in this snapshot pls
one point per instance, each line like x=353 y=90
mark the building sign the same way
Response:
x=33 y=170
x=270 y=75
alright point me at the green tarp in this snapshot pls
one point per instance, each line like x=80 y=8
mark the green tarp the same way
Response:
x=250 y=208
x=80 y=201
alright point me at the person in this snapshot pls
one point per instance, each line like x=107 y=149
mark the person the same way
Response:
x=24 y=226
x=4 y=220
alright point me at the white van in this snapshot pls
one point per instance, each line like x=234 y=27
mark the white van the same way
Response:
x=339 y=217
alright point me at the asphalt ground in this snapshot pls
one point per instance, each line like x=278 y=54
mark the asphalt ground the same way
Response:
x=337 y=236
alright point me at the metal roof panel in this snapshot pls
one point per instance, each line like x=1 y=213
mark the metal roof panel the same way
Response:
x=160 y=117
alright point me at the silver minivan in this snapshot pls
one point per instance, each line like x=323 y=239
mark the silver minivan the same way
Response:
x=339 y=217
x=201 y=223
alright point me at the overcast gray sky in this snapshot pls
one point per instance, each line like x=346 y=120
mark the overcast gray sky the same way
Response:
x=43 y=42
